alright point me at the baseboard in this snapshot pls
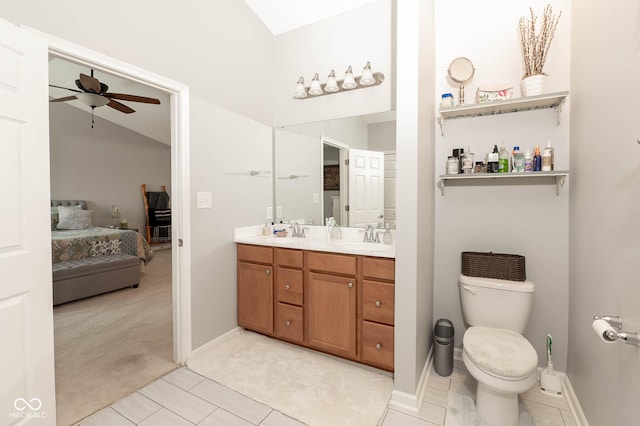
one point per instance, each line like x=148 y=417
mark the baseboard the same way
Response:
x=412 y=403
x=572 y=400
x=218 y=339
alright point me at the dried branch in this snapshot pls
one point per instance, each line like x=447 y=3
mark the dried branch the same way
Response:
x=535 y=45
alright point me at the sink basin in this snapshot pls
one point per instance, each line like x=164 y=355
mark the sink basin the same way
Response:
x=359 y=245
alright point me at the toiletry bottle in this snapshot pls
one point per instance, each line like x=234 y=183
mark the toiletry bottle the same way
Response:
x=546 y=160
x=518 y=160
x=549 y=148
x=537 y=160
x=266 y=229
x=503 y=160
x=387 y=237
x=528 y=161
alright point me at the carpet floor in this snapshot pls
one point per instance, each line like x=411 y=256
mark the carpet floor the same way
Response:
x=108 y=346
x=309 y=386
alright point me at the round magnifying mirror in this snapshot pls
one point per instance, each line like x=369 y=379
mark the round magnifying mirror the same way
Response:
x=461 y=70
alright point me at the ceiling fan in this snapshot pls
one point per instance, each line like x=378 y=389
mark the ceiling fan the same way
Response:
x=94 y=94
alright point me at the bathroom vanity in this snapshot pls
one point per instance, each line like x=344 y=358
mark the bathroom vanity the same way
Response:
x=335 y=297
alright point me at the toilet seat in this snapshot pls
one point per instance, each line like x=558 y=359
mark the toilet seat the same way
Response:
x=501 y=353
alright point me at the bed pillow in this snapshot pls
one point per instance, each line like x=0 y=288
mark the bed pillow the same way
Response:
x=73 y=218
x=54 y=215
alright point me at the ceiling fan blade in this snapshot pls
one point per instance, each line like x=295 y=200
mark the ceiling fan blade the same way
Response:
x=132 y=98
x=90 y=84
x=68 y=98
x=65 y=88
x=120 y=107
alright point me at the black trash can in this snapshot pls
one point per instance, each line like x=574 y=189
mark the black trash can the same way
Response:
x=443 y=347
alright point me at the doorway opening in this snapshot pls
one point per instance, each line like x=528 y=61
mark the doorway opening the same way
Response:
x=177 y=259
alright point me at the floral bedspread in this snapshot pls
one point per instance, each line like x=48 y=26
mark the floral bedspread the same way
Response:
x=90 y=242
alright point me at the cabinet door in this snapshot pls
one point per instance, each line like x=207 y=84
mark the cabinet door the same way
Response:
x=255 y=297
x=332 y=314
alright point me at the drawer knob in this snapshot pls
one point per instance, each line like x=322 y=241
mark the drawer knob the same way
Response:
x=350 y=285
x=288 y=323
x=287 y=287
x=268 y=272
x=378 y=346
x=378 y=303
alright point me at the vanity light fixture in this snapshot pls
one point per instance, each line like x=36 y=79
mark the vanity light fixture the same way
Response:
x=350 y=82
x=332 y=83
x=367 y=75
x=315 y=88
x=301 y=92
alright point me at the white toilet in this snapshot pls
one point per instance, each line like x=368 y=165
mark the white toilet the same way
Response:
x=494 y=350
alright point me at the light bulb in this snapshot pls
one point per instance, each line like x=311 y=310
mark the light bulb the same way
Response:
x=349 y=81
x=332 y=84
x=367 y=75
x=315 y=88
x=300 y=90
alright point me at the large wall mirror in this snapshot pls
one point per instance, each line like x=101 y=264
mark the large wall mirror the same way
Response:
x=343 y=168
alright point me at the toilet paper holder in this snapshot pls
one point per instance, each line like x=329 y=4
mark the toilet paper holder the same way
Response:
x=613 y=335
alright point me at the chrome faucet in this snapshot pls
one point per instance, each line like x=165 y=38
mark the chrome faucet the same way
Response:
x=296 y=230
x=370 y=236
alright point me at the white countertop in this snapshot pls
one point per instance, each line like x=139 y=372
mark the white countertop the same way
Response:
x=316 y=239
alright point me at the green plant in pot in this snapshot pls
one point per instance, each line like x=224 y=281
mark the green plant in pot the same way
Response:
x=535 y=44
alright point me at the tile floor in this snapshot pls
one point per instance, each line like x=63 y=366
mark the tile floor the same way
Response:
x=183 y=397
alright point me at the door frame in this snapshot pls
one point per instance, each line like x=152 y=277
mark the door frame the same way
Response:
x=344 y=176
x=180 y=181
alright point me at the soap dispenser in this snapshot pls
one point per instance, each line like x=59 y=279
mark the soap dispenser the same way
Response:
x=387 y=237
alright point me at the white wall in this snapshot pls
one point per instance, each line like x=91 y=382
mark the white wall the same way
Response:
x=382 y=136
x=352 y=38
x=523 y=219
x=605 y=231
x=105 y=165
x=414 y=246
x=217 y=49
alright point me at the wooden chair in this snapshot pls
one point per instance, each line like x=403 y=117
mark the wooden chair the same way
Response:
x=158 y=215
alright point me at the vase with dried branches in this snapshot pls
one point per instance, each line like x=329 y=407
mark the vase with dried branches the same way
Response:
x=535 y=47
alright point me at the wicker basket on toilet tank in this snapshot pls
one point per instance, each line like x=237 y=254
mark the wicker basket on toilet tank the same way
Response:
x=493 y=265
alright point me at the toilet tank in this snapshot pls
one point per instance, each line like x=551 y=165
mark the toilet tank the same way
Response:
x=496 y=303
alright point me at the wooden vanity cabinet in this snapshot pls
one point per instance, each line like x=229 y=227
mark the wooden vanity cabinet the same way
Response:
x=255 y=288
x=289 y=288
x=337 y=303
x=378 y=301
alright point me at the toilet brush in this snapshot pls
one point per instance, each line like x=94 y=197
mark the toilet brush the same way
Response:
x=549 y=379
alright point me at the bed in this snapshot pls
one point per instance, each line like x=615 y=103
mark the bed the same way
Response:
x=89 y=260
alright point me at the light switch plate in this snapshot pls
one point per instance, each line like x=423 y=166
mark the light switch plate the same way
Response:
x=269 y=213
x=204 y=200
x=279 y=212
x=316 y=198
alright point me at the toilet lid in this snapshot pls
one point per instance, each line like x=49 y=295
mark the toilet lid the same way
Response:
x=500 y=352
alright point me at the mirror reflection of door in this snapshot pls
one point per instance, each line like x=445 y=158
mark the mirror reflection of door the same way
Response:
x=366 y=183
x=335 y=182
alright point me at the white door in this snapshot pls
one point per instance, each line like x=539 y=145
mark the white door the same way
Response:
x=366 y=187
x=27 y=389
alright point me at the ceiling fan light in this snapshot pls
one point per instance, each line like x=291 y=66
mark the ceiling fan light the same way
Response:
x=92 y=100
x=349 y=80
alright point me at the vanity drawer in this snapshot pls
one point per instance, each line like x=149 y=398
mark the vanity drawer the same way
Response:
x=378 y=301
x=289 y=286
x=375 y=267
x=288 y=257
x=377 y=345
x=257 y=254
x=332 y=263
x=289 y=322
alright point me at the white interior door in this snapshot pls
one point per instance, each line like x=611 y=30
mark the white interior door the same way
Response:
x=27 y=389
x=366 y=187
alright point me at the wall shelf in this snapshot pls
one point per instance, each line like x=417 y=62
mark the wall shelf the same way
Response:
x=557 y=177
x=528 y=103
